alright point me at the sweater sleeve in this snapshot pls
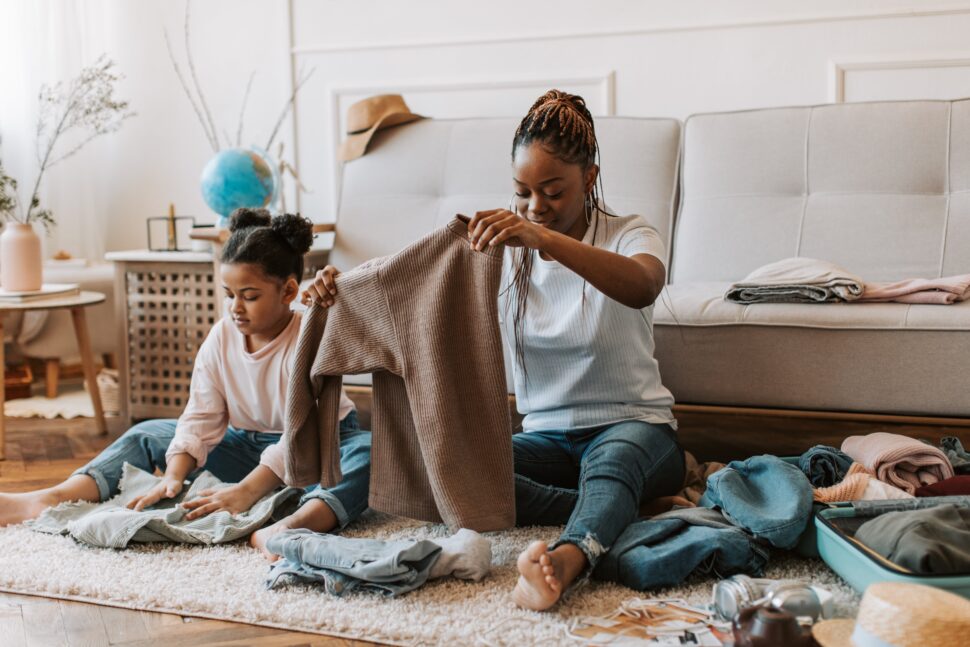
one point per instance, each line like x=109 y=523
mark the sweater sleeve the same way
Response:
x=355 y=335
x=202 y=425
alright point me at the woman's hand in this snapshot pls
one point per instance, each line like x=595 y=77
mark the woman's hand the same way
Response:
x=233 y=499
x=490 y=228
x=167 y=488
x=323 y=290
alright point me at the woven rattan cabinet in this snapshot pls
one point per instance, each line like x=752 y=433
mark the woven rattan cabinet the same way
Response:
x=166 y=304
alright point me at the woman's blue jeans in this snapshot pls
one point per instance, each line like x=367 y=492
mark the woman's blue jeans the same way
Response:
x=593 y=479
x=145 y=444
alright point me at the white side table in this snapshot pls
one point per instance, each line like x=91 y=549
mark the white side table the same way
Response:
x=76 y=304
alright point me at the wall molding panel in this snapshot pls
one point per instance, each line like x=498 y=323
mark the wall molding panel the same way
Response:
x=642 y=31
x=841 y=70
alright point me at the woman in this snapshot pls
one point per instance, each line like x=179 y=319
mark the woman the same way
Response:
x=579 y=287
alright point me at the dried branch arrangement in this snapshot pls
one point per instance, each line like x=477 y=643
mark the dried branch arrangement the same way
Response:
x=83 y=108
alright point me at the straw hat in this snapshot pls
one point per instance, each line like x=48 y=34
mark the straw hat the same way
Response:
x=369 y=115
x=895 y=614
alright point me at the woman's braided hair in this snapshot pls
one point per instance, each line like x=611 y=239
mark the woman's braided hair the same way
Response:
x=562 y=124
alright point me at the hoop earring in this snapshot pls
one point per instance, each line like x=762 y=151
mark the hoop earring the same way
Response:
x=588 y=207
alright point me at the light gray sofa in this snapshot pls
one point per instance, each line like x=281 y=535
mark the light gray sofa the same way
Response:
x=882 y=189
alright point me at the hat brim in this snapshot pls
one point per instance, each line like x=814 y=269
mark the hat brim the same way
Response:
x=834 y=633
x=356 y=145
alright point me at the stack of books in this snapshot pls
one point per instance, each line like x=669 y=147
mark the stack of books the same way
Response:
x=47 y=291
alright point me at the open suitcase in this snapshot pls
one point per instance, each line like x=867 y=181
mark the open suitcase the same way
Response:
x=832 y=532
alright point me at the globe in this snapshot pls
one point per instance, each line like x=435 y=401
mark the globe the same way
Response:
x=239 y=177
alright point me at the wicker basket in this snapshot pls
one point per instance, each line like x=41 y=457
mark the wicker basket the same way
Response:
x=110 y=391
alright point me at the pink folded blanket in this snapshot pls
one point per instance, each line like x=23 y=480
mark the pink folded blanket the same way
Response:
x=898 y=460
x=942 y=291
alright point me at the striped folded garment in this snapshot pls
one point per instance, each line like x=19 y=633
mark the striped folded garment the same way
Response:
x=898 y=460
x=859 y=484
x=797 y=280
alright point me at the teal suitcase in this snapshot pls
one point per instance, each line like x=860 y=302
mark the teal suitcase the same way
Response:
x=836 y=524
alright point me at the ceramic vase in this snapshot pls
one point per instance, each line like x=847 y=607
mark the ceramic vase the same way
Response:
x=21 y=265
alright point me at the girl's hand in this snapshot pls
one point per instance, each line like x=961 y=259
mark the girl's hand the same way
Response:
x=233 y=499
x=490 y=228
x=323 y=290
x=167 y=488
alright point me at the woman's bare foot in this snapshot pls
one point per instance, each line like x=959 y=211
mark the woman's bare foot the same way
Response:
x=545 y=574
x=17 y=508
x=259 y=539
x=539 y=585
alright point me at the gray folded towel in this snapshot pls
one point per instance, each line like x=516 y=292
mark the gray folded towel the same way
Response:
x=797 y=280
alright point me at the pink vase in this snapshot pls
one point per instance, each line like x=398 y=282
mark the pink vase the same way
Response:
x=21 y=266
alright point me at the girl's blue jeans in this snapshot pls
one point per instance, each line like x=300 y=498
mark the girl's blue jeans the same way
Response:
x=145 y=444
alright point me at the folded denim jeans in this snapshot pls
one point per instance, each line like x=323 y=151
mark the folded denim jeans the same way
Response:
x=665 y=550
x=764 y=495
x=824 y=466
x=111 y=524
x=389 y=568
x=342 y=564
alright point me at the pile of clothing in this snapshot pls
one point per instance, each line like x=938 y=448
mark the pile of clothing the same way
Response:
x=809 y=280
x=746 y=508
x=902 y=479
x=881 y=466
x=727 y=517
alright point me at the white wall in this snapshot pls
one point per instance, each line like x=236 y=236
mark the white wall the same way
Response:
x=451 y=59
x=102 y=196
x=628 y=58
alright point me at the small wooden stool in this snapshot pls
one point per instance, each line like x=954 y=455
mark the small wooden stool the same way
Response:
x=76 y=304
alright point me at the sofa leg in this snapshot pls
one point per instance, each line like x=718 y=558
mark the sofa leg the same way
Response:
x=52 y=373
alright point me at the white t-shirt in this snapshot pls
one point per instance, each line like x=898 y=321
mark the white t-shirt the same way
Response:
x=588 y=362
x=233 y=387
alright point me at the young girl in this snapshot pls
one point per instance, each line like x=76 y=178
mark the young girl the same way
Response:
x=235 y=413
x=578 y=291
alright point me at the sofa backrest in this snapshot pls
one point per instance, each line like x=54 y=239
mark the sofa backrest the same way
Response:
x=416 y=177
x=882 y=189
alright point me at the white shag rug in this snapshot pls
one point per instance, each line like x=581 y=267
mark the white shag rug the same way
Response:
x=67 y=405
x=227 y=583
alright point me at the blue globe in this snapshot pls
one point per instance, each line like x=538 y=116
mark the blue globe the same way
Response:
x=239 y=177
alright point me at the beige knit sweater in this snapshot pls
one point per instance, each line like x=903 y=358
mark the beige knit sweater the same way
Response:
x=424 y=322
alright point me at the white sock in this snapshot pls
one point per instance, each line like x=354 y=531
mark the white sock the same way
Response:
x=466 y=555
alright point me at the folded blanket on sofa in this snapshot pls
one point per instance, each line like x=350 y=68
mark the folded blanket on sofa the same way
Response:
x=898 y=460
x=942 y=291
x=797 y=280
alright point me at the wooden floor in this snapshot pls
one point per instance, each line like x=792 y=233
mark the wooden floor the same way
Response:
x=42 y=452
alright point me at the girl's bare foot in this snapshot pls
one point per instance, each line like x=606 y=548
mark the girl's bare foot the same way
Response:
x=540 y=583
x=313 y=515
x=259 y=539
x=17 y=508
